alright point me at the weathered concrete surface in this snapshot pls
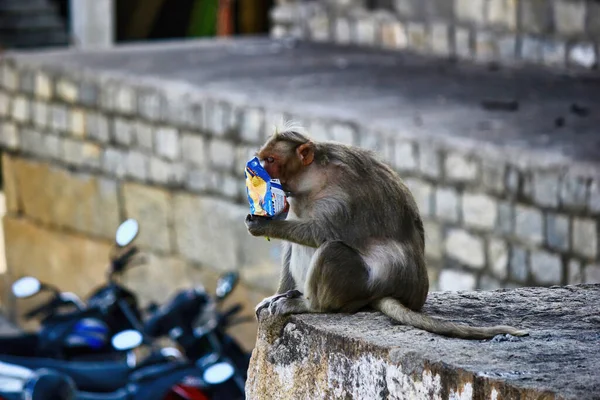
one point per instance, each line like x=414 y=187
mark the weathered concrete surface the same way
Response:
x=405 y=94
x=365 y=356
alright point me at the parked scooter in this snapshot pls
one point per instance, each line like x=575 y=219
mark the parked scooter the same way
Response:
x=150 y=383
x=176 y=316
x=72 y=329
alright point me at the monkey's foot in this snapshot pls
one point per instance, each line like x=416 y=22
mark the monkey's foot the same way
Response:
x=289 y=302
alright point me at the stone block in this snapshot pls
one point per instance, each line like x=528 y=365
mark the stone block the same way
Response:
x=122 y=131
x=439 y=9
x=66 y=91
x=366 y=31
x=479 y=210
x=569 y=17
x=96 y=127
x=343 y=31
x=529 y=224
x=472 y=11
x=138 y=165
x=545 y=188
x=125 y=100
x=152 y=207
x=447 y=204
x=573 y=192
x=486 y=46
x=405 y=157
x=165 y=172
x=506 y=217
x=433 y=240
x=72 y=262
x=21 y=109
x=220 y=154
x=150 y=105
x=440 y=38
x=592 y=273
x=194 y=149
x=209 y=231
x=27 y=81
x=252 y=125
x=507 y=46
x=594 y=197
x=32 y=141
x=9 y=135
x=519 y=264
x=585 y=237
x=453 y=281
x=59 y=118
x=43 y=86
x=393 y=35
x=319 y=130
x=557 y=231
x=9 y=77
x=418 y=36
x=531 y=48
x=465 y=248
x=143 y=135
x=88 y=94
x=318 y=26
x=229 y=186
x=167 y=143
x=546 y=268
x=429 y=161
x=411 y=9
x=492 y=177
x=77 y=122
x=52 y=147
x=76 y=152
x=343 y=133
x=582 y=55
x=498 y=257
x=503 y=13
x=535 y=16
x=554 y=52
x=423 y=194
x=40 y=114
x=462 y=42
x=114 y=162
x=201 y=180
x=460 y=168
x=217 y=117
x=574 y=273
x=5 y=104
x=87 y=203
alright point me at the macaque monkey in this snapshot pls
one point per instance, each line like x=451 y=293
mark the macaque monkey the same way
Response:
x=353 y=238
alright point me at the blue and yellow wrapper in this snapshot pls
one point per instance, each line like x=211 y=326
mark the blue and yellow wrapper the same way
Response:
x=265 y=195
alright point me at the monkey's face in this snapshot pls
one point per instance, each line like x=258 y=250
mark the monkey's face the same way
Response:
x=286 y=161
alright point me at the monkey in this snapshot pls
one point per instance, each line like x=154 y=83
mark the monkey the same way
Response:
x=353 y=237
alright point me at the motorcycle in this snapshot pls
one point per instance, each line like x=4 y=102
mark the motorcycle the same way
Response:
x=151 y=383
x=188 y=307
x=72 y=329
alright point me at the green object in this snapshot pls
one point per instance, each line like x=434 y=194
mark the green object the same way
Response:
x=203 y=21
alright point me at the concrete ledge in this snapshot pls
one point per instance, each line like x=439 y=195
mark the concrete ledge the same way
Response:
x=365 y=356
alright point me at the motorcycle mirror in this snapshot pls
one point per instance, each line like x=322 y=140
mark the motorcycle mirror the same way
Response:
x=26 y=287
x=225 y=284
x=127 y=339
x=126 y=232
x=218 y=373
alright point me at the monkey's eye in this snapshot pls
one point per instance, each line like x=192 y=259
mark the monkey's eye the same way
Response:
x=270 y=159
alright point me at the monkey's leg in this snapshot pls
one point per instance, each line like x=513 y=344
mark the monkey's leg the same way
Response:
x=338 y=281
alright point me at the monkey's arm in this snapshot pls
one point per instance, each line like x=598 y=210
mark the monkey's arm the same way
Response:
x=305 y=233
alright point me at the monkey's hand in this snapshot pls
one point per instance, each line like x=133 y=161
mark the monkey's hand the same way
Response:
x=257 y=224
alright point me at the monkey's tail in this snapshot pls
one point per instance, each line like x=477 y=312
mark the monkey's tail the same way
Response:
x=398 y=312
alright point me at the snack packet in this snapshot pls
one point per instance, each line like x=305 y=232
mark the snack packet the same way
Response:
x=265 y=195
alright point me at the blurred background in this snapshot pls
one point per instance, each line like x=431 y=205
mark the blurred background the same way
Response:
x=149 y=109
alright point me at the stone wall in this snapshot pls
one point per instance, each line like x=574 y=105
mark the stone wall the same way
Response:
x=557 y=33
x=84 y=149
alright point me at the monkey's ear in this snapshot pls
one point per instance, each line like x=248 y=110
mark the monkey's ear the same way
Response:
x=306 y=153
